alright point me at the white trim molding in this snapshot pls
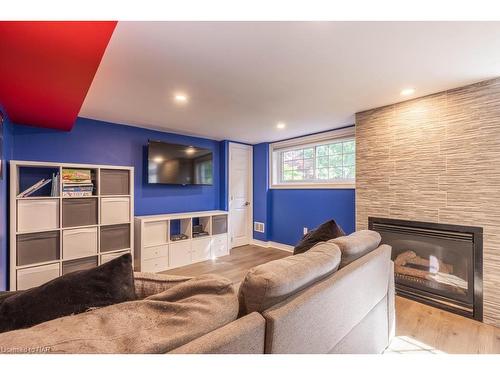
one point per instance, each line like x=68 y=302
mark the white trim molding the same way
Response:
x=310 y=140
x=275 y=245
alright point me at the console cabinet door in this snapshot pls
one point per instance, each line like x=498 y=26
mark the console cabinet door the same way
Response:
x=179 y=254
x=201 y=249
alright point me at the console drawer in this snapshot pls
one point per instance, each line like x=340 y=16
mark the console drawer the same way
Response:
x=115 y=237
x=155 y=264
x=78 y=243
x=35 y=276
x=77 y=212
x=155 y=252
x=219 y=245
x=115 y=210
x=37 y=214
x=37 y=247
x=107 y=257
x=79 y=264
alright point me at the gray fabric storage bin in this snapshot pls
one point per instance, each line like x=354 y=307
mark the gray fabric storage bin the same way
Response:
x=115 y=182
x=115 y=237
x=219 y=224
x=79 y=264
x=37 y=247
x=77 y=212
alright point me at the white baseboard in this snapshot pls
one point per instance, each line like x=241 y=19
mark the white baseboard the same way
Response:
x=276 y=245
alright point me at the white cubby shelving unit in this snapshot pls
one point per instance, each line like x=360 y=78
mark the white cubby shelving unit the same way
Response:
x=54 y=235
x=155 y=251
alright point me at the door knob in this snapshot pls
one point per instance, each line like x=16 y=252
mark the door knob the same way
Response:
x=247 y=203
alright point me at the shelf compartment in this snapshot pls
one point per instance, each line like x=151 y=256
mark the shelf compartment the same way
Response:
x=37 y=215
x=115 y=182
x=78 y=243
x=180 y=226
x=34 y=276
x=79 y=212
x=37 y=248
x=219 y=224
x=115 y=210
x=81 y=264
x=115 y=237
x=75 y=183
x=29 y=176
x=201 y=225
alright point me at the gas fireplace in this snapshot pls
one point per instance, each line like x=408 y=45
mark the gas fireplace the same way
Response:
x=437 y=264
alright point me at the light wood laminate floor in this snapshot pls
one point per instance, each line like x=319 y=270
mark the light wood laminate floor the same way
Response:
x=420 y=329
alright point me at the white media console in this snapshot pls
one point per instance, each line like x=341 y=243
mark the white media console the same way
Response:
x=155 y=247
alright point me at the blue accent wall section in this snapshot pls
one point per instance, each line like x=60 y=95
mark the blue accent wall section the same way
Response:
x=294 y=209
x=261 y=193
x=97 y=142
x=5 y=154
x=286 y=212
x=224 y=174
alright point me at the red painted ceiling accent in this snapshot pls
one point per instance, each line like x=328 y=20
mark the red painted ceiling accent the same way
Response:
x=46 y=69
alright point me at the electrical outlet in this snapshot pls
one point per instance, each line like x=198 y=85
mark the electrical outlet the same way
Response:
x=305 y=230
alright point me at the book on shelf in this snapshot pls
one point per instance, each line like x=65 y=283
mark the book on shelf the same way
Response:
x=34 y=188
x=55 y=185
x=77 y=194
x=77 y=175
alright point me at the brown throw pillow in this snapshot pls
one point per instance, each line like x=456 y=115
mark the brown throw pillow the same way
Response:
x=73 y=293
x=325 y=232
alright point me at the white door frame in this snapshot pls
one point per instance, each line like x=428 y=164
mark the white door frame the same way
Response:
x=232 y=146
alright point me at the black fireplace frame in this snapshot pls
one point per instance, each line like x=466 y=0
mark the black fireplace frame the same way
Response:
x=430 y=298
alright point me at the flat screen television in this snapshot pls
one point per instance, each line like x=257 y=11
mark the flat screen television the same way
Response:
x=170 y=163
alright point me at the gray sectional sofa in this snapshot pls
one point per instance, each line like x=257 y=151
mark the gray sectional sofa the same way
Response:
x=299 y=304
x=348 y=311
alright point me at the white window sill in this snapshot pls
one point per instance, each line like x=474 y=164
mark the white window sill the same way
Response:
x=347 y=185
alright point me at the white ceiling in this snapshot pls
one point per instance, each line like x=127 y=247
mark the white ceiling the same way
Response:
x=244 y=77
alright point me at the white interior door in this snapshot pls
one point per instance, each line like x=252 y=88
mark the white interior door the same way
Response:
x=240 y=194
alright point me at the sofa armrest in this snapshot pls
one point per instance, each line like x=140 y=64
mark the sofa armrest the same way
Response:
x=148 y=284
x=243 y=336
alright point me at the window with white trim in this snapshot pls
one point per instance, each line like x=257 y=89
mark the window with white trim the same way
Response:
x=323 y=160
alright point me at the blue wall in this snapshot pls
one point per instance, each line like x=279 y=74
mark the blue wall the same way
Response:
x=5 y=154
x=97 y=142
x=261 y=193
x=294 y=209
x=287 y=211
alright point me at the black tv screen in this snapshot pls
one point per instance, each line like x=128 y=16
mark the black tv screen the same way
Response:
x=170 y=163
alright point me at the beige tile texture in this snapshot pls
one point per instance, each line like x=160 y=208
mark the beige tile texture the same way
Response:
x=437 y=159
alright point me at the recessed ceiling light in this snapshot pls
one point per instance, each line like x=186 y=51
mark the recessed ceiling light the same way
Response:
x=408 y=91
x=158 y=159
x=281 y=125
x=190 y=150
x=180 y=98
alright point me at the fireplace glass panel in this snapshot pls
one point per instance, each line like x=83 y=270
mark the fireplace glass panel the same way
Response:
x=437 y=262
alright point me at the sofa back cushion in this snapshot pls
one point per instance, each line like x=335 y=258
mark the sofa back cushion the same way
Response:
x=356 y=245
x=156 y=324
x=272 y=282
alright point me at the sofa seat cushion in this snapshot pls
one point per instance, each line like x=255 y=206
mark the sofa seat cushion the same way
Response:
x=157 y=324
x=73 y=293
x=356 y=245
x=272 y=282
x=324 y=232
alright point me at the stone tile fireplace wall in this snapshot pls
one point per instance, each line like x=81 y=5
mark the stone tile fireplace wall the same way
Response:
x=436 y=159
